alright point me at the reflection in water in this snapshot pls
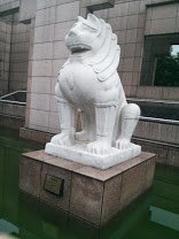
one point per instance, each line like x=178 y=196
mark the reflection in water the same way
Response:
x=155 y=215
x=165 y=218
x=7 y=227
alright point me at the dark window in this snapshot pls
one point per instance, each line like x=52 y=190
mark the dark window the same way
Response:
x=161 y=61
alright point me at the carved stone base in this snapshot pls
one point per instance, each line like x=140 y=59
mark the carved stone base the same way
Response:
x=87 y=193
x=77 y=153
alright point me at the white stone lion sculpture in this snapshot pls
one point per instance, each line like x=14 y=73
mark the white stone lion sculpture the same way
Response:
x=89 y=81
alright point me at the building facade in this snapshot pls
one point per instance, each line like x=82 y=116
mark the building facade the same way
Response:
x=148 y=33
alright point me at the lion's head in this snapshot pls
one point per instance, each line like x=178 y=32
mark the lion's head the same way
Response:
x=83 y=34
x=94 y=37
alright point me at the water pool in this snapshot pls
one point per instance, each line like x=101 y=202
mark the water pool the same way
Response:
x=153 y=216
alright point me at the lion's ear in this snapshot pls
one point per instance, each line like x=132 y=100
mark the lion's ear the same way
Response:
x=94 y=21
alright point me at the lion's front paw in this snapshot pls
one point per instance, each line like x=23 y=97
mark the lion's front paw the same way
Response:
x=122 y=143
x=99 y=147
x=63 y=139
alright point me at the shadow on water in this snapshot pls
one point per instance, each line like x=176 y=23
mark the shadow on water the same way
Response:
x=155 y=215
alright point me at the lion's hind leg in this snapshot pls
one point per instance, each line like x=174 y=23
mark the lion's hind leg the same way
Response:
x=129 y=118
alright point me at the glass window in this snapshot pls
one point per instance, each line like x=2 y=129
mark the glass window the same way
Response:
x=161 y=61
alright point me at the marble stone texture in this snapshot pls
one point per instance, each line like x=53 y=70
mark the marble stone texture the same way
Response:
x=77 y=153
x=89 y=82
x=30 y=173
x=89 y=194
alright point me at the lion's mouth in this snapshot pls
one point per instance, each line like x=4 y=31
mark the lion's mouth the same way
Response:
x=79 y=48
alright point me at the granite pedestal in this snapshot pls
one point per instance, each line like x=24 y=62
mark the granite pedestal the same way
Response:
x=90 y=194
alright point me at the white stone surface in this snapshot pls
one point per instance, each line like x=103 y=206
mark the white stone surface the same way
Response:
x=79 y=154
x=89 y=81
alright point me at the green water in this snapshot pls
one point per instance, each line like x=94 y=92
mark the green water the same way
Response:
x=153 y=216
